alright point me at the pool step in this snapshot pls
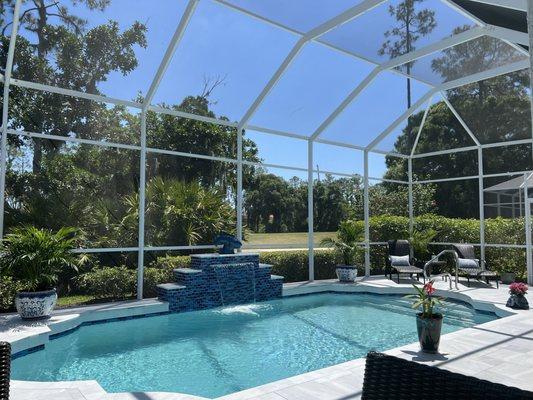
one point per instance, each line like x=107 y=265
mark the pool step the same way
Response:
x=187 y=276
x=172 y=293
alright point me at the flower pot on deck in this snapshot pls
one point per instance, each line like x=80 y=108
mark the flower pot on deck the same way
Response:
x=35 y=304
x=518 y=302
x=429 y=329
x=346 y=273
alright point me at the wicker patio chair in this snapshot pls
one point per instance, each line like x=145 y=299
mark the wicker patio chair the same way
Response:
x=5 y=367
x=393 y=378
x=469 y=266
x=403 y=248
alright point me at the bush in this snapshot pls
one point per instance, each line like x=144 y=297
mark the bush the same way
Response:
x=453 y=230
x=293 y=265
x=109 y=282
x=8 y=290
x=154 y=277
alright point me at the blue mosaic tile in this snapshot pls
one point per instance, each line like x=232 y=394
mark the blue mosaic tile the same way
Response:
x=214 y=280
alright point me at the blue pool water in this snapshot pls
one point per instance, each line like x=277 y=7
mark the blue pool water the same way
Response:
x=214 y=352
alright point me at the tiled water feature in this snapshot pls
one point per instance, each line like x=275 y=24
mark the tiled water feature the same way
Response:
x=220 y=279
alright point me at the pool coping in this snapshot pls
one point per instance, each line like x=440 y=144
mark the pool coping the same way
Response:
x=34 y=335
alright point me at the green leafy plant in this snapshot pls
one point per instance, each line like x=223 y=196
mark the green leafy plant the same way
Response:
x=347 y=242
x=420 y=240
x=109 y=282
x=425 y=299
x=35 y=257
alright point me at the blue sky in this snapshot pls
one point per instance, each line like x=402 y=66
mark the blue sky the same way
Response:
x=245 y=52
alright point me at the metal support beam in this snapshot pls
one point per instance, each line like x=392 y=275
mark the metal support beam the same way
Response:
x=366 y=215
x=239 y=184
x=346 y=102
x=481 y=204
x=310 y=211
x=508 y=35
x=5 y=113
x=447 y=86
x=395 y=62
x=460 y=119
x=340 y=19
x=529 y=261
x=400 y=119
x=142 y=207
x=410 y=193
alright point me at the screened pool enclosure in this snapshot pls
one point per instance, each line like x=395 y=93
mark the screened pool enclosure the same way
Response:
x=424 y=101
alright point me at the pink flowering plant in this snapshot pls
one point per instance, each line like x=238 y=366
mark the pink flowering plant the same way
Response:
x=518 y=288
x=425 y=299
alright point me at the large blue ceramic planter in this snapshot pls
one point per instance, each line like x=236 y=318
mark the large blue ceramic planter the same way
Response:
x=35 y=304
x=346 y=273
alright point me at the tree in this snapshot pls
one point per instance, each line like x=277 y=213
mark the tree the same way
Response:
x=498 y=112
x=412 y=25
x=66 y=54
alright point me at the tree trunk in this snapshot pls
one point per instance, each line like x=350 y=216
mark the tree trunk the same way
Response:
x=41 y=52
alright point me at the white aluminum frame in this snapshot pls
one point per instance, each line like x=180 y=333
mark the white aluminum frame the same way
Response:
x=314 y=35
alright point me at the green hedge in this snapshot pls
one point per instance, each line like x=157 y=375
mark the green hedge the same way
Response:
x=293 y=265
x=455 y=230
x=8 y=290
x=120 y=282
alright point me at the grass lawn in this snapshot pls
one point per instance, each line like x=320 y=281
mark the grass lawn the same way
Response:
x=77 y=300
x=285 y=238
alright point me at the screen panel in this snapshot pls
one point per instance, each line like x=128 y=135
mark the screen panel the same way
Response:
x=308 y=92
x=223 y=62
x=62 y=44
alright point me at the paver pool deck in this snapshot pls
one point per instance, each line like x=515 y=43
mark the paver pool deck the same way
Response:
x=499 y=351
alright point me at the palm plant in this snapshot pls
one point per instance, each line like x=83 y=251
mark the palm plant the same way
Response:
x=346 y=244
x=420 y=240
x=36 y=257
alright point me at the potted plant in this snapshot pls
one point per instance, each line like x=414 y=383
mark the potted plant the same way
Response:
x=428 y=323
x=420 y=240
x=518 y=300
x=35 y=258
x=508 y=277
x=346 y=245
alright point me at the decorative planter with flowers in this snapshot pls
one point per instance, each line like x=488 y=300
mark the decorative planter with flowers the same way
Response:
x=518 y=300
x=35 y=258
x=428 y=323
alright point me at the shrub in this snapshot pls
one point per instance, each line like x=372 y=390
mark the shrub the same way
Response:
x=293 y=265
x=171 y=262
x=8 y=290
x=154 y=277
x=35 y=258
x=109 y=282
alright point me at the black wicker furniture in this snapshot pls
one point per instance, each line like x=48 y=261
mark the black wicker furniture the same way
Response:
x=471 y=267
x=393 y=378
x=402 y=248
x=5 y=369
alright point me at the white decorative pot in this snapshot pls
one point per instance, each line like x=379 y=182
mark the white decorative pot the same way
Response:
x=346 y=273
x=35 y=304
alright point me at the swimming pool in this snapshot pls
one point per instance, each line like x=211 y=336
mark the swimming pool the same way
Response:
x=215 y=352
